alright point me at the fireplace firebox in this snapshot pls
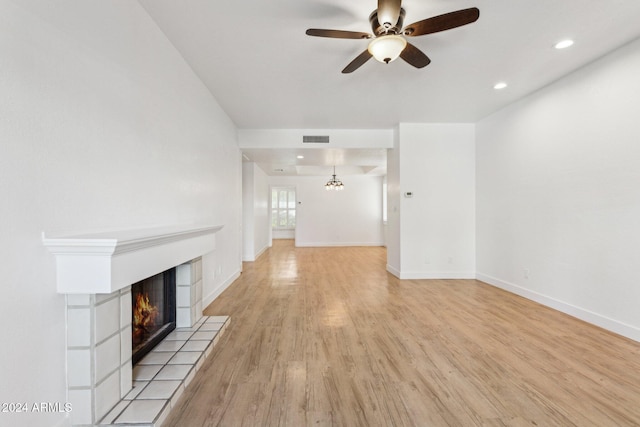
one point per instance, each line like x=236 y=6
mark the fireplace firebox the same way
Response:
x=153 y=316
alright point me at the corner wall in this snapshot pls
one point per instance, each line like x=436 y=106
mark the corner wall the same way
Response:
x=255 y=207
x=436 y=224
x=559 y=195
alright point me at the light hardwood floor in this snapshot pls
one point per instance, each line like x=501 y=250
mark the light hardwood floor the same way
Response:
x=326 y=337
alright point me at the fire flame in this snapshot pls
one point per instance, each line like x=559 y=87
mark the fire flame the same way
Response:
x=144 y=313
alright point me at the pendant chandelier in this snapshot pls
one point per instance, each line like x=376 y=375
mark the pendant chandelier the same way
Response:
x=333 y=183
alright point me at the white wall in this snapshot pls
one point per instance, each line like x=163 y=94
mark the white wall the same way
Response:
x=352 y=217
x=255 y=206
x=103 y=126
x=248 y=223
x=435 y=162
x=392 y=231
x=558 y=181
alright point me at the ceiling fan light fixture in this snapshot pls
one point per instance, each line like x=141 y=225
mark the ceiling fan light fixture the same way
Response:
x=387 y=48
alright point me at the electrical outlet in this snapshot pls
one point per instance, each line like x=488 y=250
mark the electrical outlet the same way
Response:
x=526 y=273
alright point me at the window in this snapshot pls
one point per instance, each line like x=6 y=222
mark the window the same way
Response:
x=283 y=208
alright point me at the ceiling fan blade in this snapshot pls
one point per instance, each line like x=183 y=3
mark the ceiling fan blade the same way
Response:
x=442 y=22
x=389 y=12
x=357 y=63
x=414 y=56
x=338 y=34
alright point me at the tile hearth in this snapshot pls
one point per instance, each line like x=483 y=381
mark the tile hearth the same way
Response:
x=161 y=376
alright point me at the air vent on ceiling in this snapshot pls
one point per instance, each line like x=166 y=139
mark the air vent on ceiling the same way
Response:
x=315 y=139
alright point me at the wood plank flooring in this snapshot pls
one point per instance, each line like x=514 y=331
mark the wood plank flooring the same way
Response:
x=326 y=337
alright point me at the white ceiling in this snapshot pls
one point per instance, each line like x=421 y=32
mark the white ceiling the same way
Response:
x=256 y=60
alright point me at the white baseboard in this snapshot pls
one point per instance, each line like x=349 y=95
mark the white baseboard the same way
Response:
x=393 y=271
x=253 y=257
x=208 y=299
x=260 y=252
x=430 y=275
x=588 y=316
x=418 y=275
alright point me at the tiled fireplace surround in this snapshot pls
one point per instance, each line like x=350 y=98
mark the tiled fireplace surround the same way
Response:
x=96 y=272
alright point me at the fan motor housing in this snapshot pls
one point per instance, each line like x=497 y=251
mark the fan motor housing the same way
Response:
x=380 y=29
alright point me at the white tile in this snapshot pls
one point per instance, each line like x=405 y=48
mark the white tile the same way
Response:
x=178 y=335
x=177 y=394
x=199 y=290
x=145 y=372
x=107 y=319
x=163 y=416
x=107 y=357
x=157 y=358
x=138 y=386
x=190 y=376
x=114 y=413
x=198 y=269
x=193 y=314
x=126 y=379
x=80 y=407
x=107 y=395
x=78 y=327
x=142 y=411
x=204 y=335
x=183 y=296
x=125 y=309
x=185 y=358
x=192 y=295
x=125 y=344
x=169 y=346
x=198 y=310
x=78 y=299
x=173 y=372
x=215 y=327
x=217 y=319
x=159 y=390
x=183 y=317
x=79 y=368
x=195 y=345
x=191 y=329
x=183 y=274
x=103 y=297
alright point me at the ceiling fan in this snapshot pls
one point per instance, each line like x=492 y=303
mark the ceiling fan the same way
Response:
x=388 y=42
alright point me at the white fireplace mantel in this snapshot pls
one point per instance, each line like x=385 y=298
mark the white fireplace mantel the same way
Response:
x=103 y=263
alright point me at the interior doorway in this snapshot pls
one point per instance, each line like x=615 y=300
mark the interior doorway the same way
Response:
x=283 y=212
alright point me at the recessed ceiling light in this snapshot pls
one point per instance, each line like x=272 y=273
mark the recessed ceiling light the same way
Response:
x=563 y=44
x=500 y=85
x=300 y=157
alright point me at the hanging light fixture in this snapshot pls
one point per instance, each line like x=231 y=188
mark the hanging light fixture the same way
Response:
x=333 y=183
